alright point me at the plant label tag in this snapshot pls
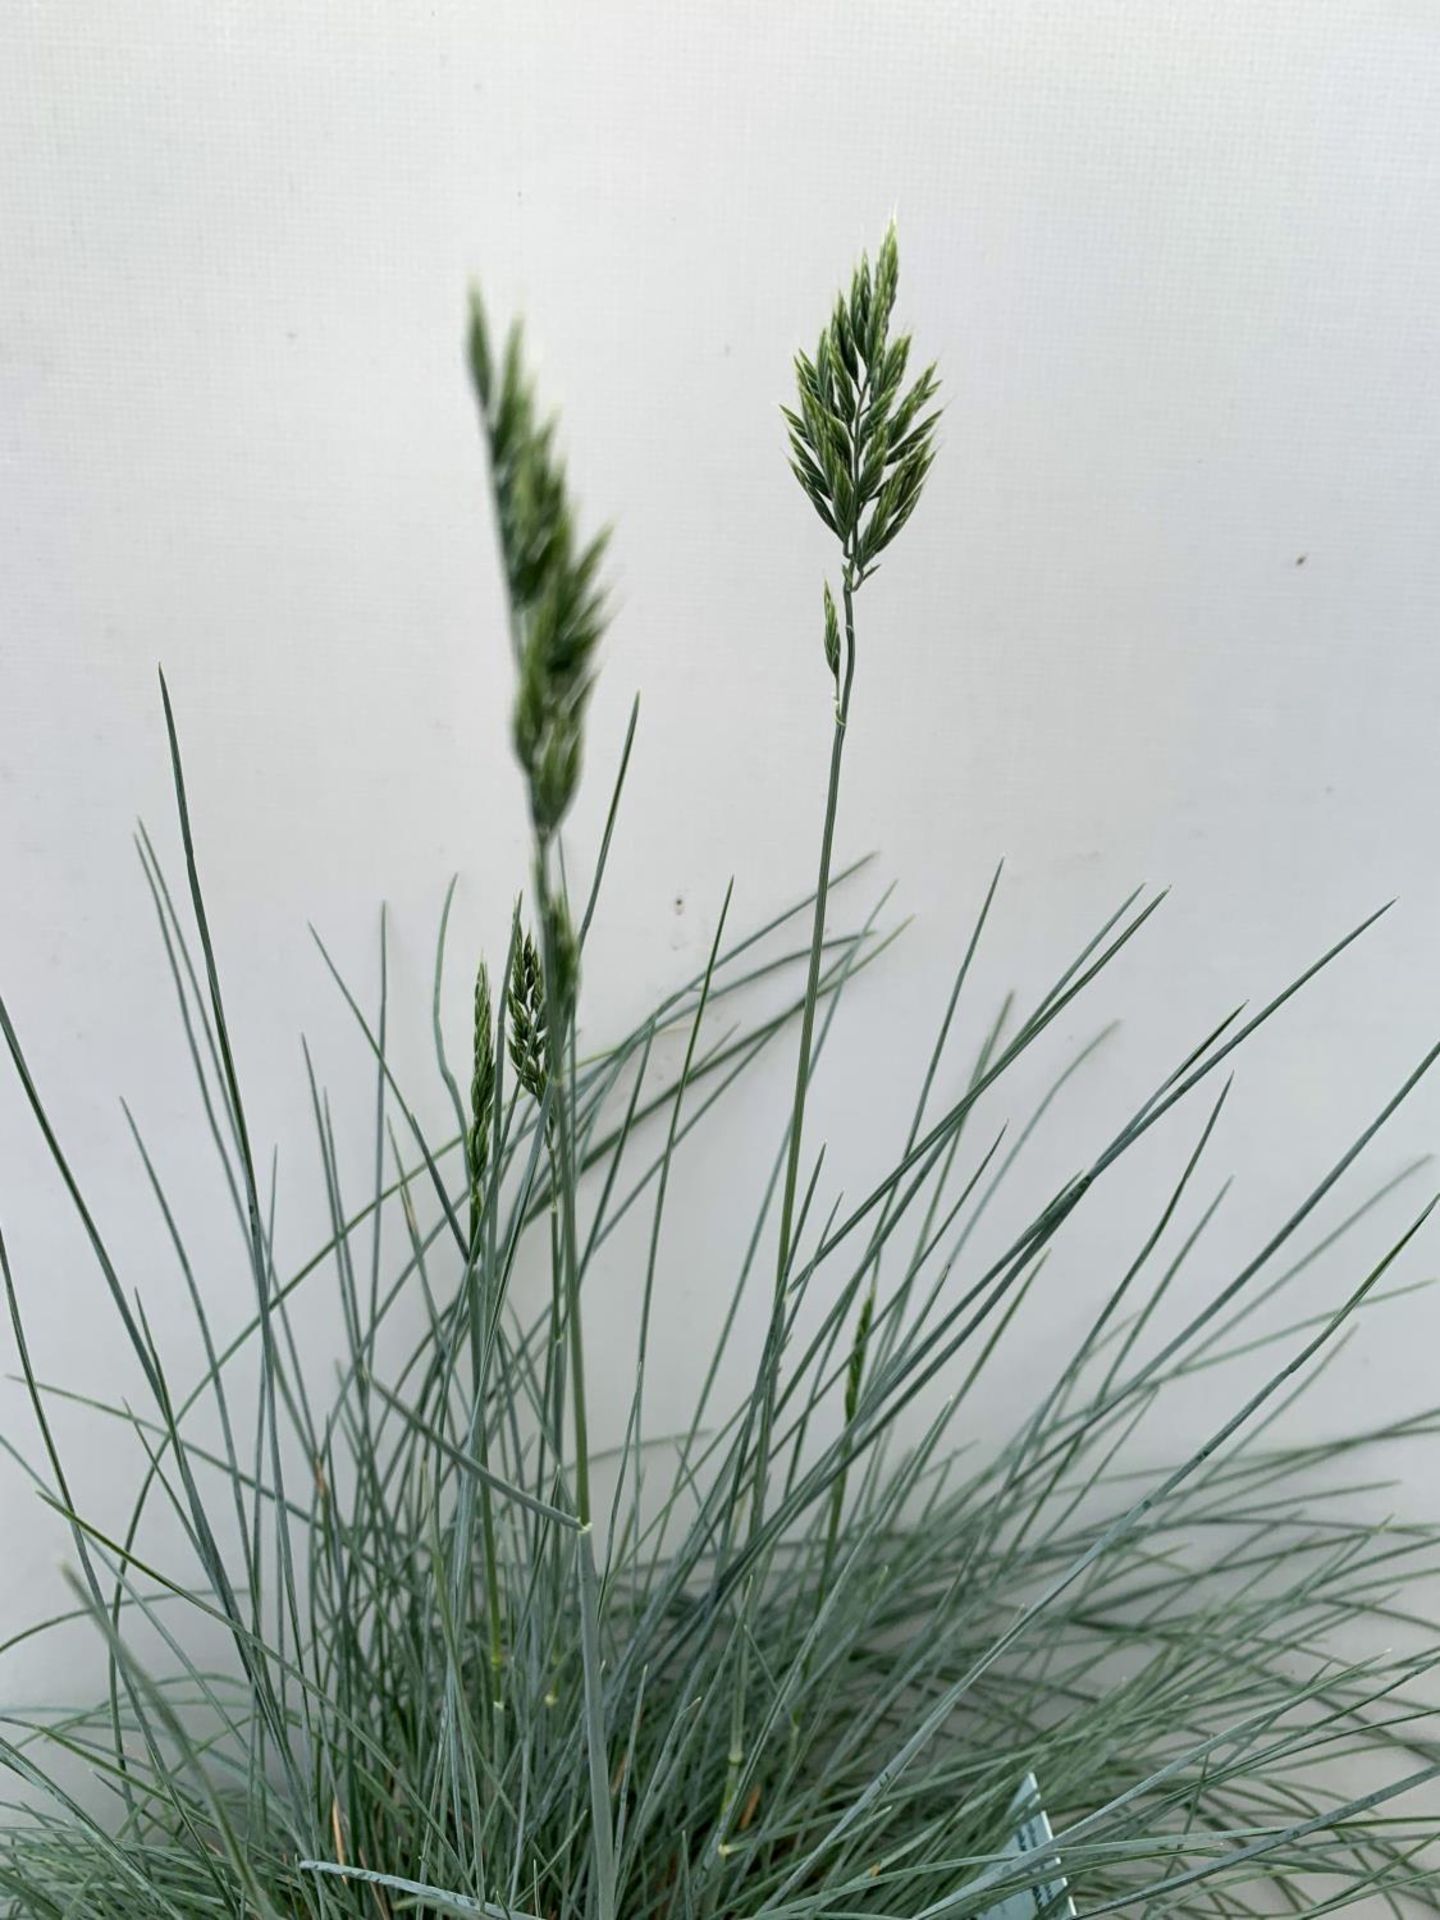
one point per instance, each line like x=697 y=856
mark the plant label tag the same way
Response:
x=1033 y=1835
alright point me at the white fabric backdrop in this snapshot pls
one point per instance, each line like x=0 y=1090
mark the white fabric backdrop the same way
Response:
x=1168 y=612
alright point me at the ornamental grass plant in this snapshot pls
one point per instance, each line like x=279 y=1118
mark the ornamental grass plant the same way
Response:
x=435 y=1644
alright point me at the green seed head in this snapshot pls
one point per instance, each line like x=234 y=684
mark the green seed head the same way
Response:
x=482 y=1094
x=557 y=601
x=529 y=1031
x=861 y=443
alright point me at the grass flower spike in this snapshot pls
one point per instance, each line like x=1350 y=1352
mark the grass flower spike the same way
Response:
x=557 y=603
x=859 y=446
x=525 y=999
x=482 y=1094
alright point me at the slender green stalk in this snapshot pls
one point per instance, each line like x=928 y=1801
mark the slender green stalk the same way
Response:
x=861 y=453
x=785 y=1249
x=557 y=969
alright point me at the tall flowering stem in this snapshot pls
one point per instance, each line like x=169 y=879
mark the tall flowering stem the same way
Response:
x=861 y=445
x=557 y=615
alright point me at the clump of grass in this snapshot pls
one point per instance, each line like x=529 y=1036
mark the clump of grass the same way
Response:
x=800 y=1657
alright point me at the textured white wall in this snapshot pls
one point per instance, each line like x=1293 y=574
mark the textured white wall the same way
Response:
x=1168 y=613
